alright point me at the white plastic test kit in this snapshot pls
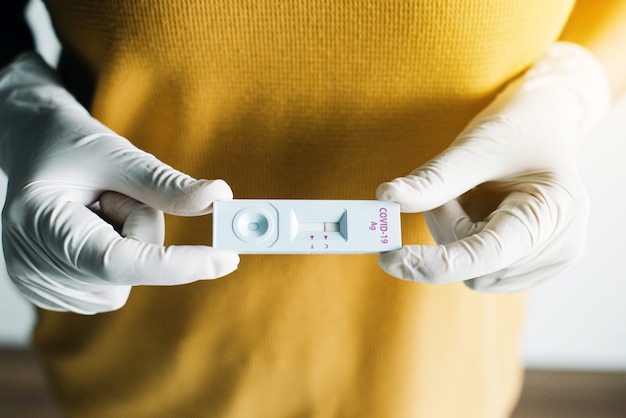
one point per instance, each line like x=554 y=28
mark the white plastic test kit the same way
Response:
x=255 y=226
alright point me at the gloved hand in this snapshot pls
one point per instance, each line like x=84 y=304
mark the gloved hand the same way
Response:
x=519 y=152
x=59 y=252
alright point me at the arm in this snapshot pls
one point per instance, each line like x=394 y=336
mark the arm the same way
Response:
x=519 y=152
x=70 y=180
x=600 y=26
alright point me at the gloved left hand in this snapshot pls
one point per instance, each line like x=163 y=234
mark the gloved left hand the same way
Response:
x=519 y=153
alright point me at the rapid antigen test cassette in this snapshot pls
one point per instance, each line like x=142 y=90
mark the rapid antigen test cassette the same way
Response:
x=255 y=226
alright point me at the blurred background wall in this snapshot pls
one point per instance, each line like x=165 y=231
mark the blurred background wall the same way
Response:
x=577 y=321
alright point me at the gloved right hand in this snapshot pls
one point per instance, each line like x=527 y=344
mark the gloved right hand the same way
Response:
x=60 y=162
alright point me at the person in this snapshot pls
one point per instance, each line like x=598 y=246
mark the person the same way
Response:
x=476 y=109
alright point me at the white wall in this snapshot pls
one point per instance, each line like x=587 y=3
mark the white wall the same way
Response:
x=575 y=322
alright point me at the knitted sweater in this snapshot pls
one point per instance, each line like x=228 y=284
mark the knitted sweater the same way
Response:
x=314 y=99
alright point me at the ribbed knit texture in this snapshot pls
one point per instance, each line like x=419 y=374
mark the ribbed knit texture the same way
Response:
x=295 y=99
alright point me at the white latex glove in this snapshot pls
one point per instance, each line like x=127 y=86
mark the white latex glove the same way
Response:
x=521 y=150
x=59 y=161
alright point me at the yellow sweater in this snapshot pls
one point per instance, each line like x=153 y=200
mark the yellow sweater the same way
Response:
x=314 y=99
